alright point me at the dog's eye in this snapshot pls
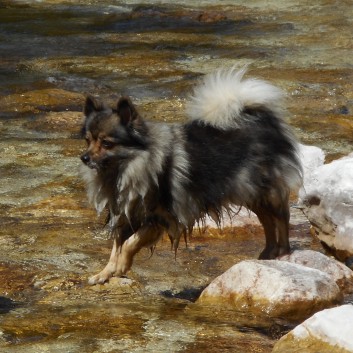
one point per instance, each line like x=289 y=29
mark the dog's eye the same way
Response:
x=108 y=144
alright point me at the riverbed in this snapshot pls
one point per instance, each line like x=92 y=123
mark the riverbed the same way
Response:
x=53 y=53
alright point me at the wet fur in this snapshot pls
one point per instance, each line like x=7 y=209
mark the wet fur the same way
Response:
x=153 y=177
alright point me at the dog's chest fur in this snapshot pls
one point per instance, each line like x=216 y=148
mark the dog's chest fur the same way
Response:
x=151 y=186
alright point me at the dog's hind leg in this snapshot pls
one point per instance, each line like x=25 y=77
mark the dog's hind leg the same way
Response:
x=282 y=225
x=109 y=269
x=146 y=237
x=268 y=222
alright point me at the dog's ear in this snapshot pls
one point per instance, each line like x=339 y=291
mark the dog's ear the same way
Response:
x=92 y=105
x=126 y=111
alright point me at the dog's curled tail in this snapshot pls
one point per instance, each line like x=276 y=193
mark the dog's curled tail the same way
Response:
x=221 y=97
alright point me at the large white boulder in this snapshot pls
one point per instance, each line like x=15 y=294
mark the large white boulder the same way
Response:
x=328 y=331
x=311 y=157
x=277 y=288
x=327 y=198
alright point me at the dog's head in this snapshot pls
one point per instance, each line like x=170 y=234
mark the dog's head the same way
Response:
x=112 y=135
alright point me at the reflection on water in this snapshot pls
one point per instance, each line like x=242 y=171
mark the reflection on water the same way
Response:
x=51 y=54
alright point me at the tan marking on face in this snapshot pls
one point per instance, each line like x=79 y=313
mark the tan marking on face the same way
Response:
x=99 y=147
x=94 y=148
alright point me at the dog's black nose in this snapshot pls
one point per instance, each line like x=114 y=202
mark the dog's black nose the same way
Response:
x=85 y=158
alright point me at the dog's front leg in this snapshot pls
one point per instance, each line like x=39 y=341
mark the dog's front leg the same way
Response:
x=109 y=270
x=146 y=237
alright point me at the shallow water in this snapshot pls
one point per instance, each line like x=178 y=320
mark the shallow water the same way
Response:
x=54 y=52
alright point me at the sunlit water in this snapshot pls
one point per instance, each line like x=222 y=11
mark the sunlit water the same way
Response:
x=54 y=52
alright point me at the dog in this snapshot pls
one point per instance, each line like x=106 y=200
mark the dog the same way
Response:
x=153 y=177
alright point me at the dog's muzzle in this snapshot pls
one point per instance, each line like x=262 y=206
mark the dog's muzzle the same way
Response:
x=86 y=159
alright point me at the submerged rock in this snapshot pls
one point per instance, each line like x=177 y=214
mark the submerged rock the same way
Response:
x=328 y=331
x=277 y=288
x=43 y=100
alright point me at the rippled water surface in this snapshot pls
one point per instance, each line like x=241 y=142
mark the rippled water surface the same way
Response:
x=52 y=53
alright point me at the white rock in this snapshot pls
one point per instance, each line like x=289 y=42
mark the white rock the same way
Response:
x=278 y=288
x=337 y=271
x=331 y=185
x=333 y=327
x=311 y=158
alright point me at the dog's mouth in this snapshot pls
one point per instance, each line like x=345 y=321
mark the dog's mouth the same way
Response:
x=92 y=165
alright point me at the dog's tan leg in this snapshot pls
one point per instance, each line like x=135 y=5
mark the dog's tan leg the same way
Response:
x=145 y=237
x=109 y=269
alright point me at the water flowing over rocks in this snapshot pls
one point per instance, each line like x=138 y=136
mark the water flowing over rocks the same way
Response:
x=328 y=331
x=278 y=288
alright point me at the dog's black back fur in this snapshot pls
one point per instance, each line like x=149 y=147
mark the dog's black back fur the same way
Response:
x=218 y=155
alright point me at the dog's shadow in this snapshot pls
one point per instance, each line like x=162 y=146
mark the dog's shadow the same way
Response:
x=190 y=294
x=6 y=305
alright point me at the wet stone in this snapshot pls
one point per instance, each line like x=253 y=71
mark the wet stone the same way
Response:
x=297 y=290
x=328 y=331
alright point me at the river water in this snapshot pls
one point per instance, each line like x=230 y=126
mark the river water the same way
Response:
x=52 y=53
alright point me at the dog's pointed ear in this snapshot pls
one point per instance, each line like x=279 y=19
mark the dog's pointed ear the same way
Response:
x=92 y=105
x=126 y=111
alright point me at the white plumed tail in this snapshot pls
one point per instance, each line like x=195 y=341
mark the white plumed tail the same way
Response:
x=221 y=97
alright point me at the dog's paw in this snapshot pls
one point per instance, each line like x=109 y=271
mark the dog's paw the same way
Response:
x=269 y=253
x=101 y=278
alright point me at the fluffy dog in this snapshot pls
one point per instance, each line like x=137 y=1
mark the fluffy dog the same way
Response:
x=235 y=149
